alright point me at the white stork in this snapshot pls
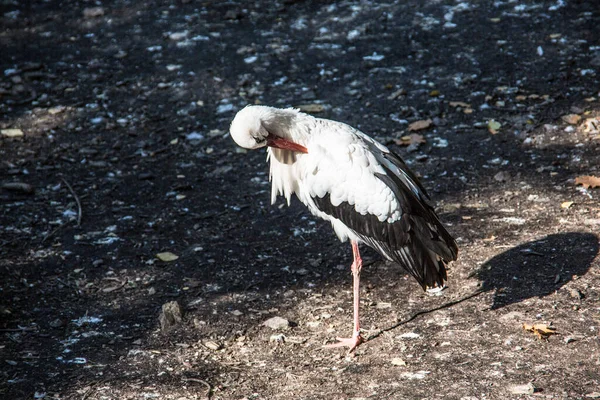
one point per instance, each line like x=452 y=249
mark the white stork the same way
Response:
x=347 y=178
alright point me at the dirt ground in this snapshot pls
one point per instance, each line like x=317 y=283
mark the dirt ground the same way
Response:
x=114 y=148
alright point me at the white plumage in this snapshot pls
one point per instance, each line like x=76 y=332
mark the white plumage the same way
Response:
x=344 y=176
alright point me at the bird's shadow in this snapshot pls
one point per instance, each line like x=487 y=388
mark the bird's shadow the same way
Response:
x=537 y=268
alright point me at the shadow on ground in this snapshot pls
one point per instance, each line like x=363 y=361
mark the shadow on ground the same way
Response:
x=539 y=268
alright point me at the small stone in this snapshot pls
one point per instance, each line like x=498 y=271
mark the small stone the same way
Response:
x=398 y=362
x=382 y=305
x=277 y=338
x=237 y=313
x=502 y=176
x=171 y=315
x=572 y=119
x=11 y=133
x=522 y=389
x=57 y=323
x=277 y=323
x=576 y=294
x=93 y=12
x=568 y=339
x=18 y=187
x=593 y=395
x=211 y=344
x=145 y=176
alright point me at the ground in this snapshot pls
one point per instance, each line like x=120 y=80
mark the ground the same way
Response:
x=115 y=148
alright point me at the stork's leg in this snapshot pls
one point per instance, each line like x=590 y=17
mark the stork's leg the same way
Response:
x=356 y=339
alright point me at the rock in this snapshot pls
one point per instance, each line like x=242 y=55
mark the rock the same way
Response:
x=277 y=338
x=11 y=133
x=502 y=176
x=572 y=119
x=522 y=389
x=18 y=187
x=576 y=294
x=170 y=315
x=93 y=12
x=277 y=323
x=211 y=344
x=398 y=362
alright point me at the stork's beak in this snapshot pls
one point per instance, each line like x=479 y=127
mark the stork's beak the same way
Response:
x=281 y=143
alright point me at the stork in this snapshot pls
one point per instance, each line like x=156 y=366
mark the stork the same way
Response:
x=347 y=178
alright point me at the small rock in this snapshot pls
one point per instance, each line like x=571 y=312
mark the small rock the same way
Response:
x=170 y=315
x=593 y=395
x=522 y=389
x=572 y=119
x=57 y=323
x=568 y=339
x=145 y=176
x=382 y=305
x=93 y=12
x=18 y=187
x=398 y=362
x=277 y=323
x=211 y=344
x=11 y=133
x=576 y=294
x=502 y=176
x=277 y=338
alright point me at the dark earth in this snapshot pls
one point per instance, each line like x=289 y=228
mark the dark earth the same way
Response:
x=114 y=148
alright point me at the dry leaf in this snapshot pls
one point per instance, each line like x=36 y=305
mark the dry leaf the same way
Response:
x=566 y=204
x=413 y=138
x=311 y=108
x=572 y=119
x=542 y=331
x=459 y=104
x=419 y=125
x=494 y=126
x=167 y=256
x=588 y=181
x=591 y=126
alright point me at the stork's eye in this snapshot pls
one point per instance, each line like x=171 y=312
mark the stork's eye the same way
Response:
x=260 y=140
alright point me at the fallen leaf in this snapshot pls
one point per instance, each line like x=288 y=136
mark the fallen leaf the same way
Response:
x=588 y=181
x=413 y=138
x=572 y=119
x=459 y=104
x=167 y=256
x=542 y=331
x=311 y=108
x=420 y=125
x=591 y=126
x=494 y=126
x=566 y=204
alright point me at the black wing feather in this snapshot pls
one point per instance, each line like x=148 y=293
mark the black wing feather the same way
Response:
x=417 y=241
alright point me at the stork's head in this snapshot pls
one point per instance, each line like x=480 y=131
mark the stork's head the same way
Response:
x=257 y=126
x=247 y=128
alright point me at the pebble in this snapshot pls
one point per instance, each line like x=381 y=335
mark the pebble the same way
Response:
x=277 y=323
x=171 y=315
x=522 y=389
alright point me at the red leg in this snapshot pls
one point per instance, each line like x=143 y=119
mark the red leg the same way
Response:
x=356 y=339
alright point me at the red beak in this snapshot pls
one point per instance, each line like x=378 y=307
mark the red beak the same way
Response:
x=281 y=143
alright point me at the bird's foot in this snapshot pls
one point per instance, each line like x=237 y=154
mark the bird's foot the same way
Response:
x=352 y=342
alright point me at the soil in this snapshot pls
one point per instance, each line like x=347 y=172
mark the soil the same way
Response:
x=114 y=118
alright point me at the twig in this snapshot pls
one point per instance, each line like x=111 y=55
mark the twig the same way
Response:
x=58 y=228
x=208 y=387
x=79 y=212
